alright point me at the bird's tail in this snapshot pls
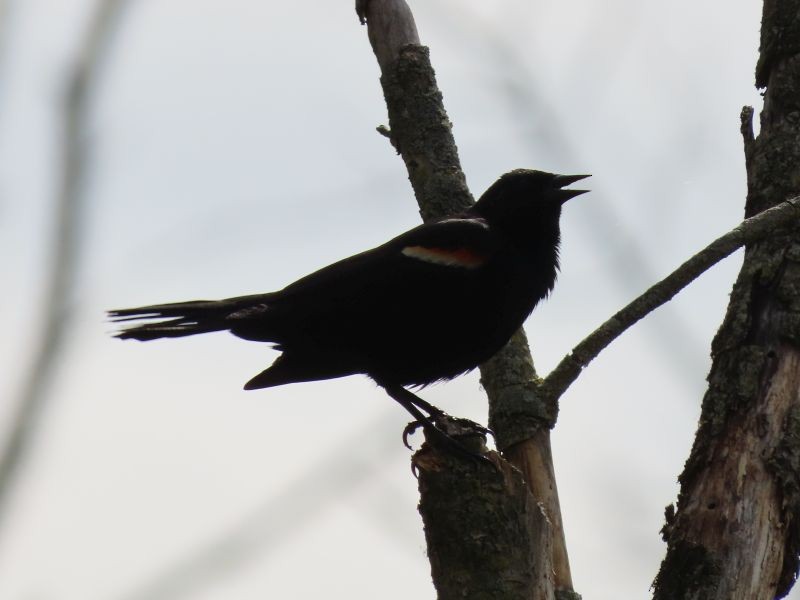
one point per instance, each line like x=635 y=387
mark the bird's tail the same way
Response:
x=179 y=319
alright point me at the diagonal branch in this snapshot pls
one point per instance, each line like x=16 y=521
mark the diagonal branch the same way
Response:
x=783 y=216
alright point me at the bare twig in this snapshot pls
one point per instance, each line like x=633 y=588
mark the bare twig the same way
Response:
x=567 y=371
x=68 y=221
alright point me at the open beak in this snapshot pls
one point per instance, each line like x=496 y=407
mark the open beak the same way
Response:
x=564 y=180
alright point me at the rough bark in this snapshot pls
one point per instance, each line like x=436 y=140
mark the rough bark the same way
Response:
x=421 y=133
x=521 y=419
x=735 y=532
x=486 y=534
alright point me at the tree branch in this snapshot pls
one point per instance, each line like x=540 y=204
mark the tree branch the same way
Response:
x=783 y=216
x=420 y=130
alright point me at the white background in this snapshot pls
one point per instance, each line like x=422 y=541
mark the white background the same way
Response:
x=232 y=150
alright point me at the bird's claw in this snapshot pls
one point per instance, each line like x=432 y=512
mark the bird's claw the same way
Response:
x=436 y=415
x=446 y=439
x=408 y=430
x=361 y=10
x=440 y=428
x=480 y=429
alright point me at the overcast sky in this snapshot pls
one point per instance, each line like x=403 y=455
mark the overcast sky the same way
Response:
x=233 y=149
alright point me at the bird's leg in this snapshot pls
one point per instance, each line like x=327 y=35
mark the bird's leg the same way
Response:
x=412 y=403
x=420 y=419
x=436 y=414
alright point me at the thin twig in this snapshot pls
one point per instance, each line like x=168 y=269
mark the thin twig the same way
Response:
x=68 y=221
x=784 y=215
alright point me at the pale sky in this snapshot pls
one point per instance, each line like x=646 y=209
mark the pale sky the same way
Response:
x=233 y=149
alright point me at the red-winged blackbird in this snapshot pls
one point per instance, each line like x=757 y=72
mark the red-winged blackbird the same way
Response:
x=428 y=305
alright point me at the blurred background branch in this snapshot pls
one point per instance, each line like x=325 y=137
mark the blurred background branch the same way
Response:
x=5 y=12
x=68 y=222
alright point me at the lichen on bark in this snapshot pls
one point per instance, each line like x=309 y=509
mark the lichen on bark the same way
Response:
x=735 y=534
x=422 y=134
x=484 y=547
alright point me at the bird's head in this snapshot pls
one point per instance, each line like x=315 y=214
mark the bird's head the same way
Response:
x=523 y=195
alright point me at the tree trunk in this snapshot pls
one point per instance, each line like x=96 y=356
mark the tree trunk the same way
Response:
x=735 y=532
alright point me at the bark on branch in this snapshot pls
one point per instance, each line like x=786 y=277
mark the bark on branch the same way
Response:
x=486 y=534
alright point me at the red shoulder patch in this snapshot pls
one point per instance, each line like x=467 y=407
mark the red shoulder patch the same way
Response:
x=449 y=257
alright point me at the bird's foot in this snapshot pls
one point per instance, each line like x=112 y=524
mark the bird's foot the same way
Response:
x=408 y=430
x=440 y=428
x=451 y=432
x=469 y=427
x=435 y=416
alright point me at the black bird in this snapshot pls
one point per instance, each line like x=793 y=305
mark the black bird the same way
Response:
x=428 y=305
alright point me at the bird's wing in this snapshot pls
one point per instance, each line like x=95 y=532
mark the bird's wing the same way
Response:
x=455 y=243
x=393 y=289
x=447 y=245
